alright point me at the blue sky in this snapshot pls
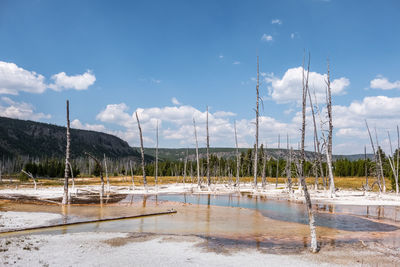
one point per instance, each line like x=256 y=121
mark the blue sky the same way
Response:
x=112 y=58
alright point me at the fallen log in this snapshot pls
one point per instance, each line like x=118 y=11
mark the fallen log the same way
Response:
x=172 y=211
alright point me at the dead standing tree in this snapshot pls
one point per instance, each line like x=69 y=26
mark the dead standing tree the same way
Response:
x=380 y=163
x=378 y=181
x=197 y=153
x=142 y=151
x=208 y=154
x=393 y=166
x=66 y=171
x=156 y=167
x=257 y=115
x=108 y=179
x=264 y=160
x=314 y=245
x=101 y=173
x=237 y=158
x=31 y=176
x=277 y=160
x=330 y=133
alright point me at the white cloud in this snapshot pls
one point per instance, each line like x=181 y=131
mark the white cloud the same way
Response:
x=78 y=82
x=92 y=127
x=276 y=21
x=266 y=38
x=384 y=84
x=14 y=79
x=221 y=114
x=236 y=63
x=175 y=101
x=292 y=35
x=19 y=110
x=221 y=56
x=288 y=88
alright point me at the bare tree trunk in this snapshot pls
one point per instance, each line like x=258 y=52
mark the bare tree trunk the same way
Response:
x=197 y=153
x=72 y=176
x=289 y=165
x=264 y=159
x=397 y=166
x=185 y=166
x=142 y=151
x=330 y=134
x=392 y=163
x=133 y=180
x=108 y=179
x=237 y=158
x=380 y=164
x=366 y=169
x=30 y=175
x=66 y=172
x=101 y=174
x=208 y=155
x=314 y=246
x=277 y=161
x=156 y=168
x=376 y=159
x=257 y=114
x=318 y=161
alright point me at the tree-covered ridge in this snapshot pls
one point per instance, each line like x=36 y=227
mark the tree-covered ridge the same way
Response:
x=20 y=138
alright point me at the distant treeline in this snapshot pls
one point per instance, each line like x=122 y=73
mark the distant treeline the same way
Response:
x=219 y=166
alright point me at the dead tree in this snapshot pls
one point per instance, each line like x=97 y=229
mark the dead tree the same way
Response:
x=380 y=164
x=101 y=173
x=66 y=171
x=185 y=166
x=289 y=165
x=330 y=132
x=314 y=246
x=237 y=158
x=317 y=145
x=208 y=155
x=366 y=169
x=133 y=180
x=257 y=115
x=264 y=159
x=197 y=153
x=277 y=161
x=378 y=181
x=72 y=176
x=108 y=179
x=393 y=165
x=142 y=151
x=156 y=167
x=30 y=175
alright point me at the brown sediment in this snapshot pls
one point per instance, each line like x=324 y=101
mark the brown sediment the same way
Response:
x=222 y=229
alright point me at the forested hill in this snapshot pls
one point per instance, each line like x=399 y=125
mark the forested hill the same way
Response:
x=41 y=140
x=173 y=154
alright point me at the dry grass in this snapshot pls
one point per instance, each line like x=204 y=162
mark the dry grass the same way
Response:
x=340 y=182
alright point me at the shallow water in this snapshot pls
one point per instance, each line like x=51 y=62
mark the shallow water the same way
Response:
x=231 y=220
x=325 y=215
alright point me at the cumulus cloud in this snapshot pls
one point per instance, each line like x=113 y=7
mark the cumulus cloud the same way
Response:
x=78 y=82
x=175 y=101
x=92 y=127
x=288 y=88
x=20 y=110
x=14 y=79
x=236 y=62
x=384 y=84
x=276 y=21
x=266 y=38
